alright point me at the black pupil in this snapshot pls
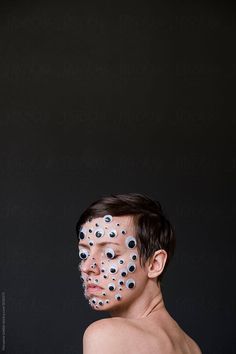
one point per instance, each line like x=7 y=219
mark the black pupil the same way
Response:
x=131 y=244
x=109 y=254
x=81 y=235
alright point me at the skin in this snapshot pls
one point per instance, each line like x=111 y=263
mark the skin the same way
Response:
x=139 y=310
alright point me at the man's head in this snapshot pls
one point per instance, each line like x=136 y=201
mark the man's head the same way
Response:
x=118 y=235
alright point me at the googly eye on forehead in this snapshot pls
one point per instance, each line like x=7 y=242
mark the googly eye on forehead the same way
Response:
x=83 y=253
x=99 y=232
x=112 y=233
x=130 y=242
x=110 y=253
x=107 y=218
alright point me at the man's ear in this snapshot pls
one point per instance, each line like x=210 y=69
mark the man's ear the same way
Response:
x=157 y=263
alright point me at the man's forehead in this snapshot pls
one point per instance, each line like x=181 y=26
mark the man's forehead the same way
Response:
x=112 y=229
x=124 y=221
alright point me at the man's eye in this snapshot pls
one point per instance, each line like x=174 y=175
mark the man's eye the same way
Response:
x=110 y=253
x=83 y=254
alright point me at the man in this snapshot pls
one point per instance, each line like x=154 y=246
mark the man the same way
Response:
x=125 y=245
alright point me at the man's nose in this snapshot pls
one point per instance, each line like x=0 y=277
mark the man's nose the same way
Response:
x=90 y=265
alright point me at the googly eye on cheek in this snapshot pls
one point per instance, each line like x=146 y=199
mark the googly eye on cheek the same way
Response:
x=110 y=253
x=82 y=233
x=83 y=254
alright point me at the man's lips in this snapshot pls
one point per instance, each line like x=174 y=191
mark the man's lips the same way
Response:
x=93 y=287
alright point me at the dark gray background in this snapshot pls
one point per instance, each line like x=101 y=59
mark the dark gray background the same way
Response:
x=114 y=97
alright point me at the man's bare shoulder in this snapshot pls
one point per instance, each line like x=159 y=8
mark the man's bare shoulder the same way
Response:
x=117 y=335
x=112 y=335
x=105 y=336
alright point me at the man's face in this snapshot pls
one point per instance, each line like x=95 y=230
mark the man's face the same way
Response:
x=110 y=260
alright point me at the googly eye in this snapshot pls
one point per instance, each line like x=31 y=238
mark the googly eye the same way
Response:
x=130 y=242
x=107 y=301
x=100 y=302
x=130 y=283
x=83 y=254
x=113 y=233
x=113 y=269
x=82 y=234
x=111 y=286
x=110 y=253
x=123 y=272
x=123 y=232
x=121 y=261
x=91 y=243
x=121 y=282
x=133 y=256
x=131 y=267
x=94 y=300
x=99 y=232
x=118 y=297
x=107 y=218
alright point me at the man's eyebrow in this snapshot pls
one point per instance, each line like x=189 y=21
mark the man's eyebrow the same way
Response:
x=100 y=243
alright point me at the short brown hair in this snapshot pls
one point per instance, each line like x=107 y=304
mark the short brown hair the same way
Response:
x=153 y=230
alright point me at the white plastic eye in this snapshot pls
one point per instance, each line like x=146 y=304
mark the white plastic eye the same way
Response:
x=113 y=233
x=133 y=256
x=130 y=283
x=94 y=300
x=83 y=253
x=113 y=269
x=100 y=302
x=111 y=286
x=118 y=297
x=121 y=261
x=130 y=242
x=110 y=253
x=99 y=232
x=107 y=218
x=131 y=267
x=91 y=243
x=82 y=234
x=123 y=272
x=121 y=282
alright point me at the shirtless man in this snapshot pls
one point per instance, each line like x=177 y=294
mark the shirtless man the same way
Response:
x=125 y=245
